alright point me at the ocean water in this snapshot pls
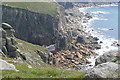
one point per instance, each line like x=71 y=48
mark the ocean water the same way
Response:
x=105 y=20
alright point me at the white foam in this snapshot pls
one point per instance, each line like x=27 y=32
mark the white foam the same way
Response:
x=104 y=29
x=99 y=12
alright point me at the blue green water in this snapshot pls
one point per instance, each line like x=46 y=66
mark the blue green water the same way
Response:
x=106 y=21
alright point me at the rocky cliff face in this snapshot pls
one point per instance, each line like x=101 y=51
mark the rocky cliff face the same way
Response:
x=37 y=28
x=32 y=27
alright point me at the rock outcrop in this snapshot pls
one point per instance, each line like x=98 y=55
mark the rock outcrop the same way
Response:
x=106 y=66
x=6 y=66
x=105 y=70
x=8 y=42
x=107 y=57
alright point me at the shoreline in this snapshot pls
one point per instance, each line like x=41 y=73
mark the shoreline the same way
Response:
x=106 y=44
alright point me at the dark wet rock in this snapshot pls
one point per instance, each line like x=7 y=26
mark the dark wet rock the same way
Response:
x=96 y=38
x=23 y=56
x=85 y=21
x=105 y=70
x=94 y=42
x=101 y=42
x=88 y=15
x=118 y=44
x=81 y=39
x=98 y=46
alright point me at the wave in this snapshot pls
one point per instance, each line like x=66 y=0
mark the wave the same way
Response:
x=105 y=29
x=99 y=12
x=108 y=5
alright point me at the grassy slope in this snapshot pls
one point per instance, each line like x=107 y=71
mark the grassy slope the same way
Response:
x=45 y=71
x=40 y=72
x=39 y=7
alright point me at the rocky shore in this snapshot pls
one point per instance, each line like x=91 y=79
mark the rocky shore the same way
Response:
x=83 y=45
x=106 y=66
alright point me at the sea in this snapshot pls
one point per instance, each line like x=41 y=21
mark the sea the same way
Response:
x=103 y=25
x=105 y=20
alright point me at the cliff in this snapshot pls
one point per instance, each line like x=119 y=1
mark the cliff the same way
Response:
x=36 y=27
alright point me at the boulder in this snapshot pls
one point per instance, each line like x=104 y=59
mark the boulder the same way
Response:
x=6 y=66
x=94 y=42
x=97 y=46
x=69 y=56
x=105 y=70
x=11 y=48
x=81 y=39
x=8 y=30
x=88 y=15
x=106 y=57
x=79 y=55
x=8 y=42
x=6 y=26
x=45 y=56
x=96 y=38
x=14 y=54
x=101 y=42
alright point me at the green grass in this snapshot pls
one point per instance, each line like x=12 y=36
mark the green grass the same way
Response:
x=39 y=7
x=30 y=48
x=25 y=46
x=40 y=72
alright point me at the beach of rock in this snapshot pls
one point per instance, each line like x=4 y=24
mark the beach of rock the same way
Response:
x=83 y=45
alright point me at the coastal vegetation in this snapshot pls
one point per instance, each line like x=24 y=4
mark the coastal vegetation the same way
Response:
x=39 y=7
